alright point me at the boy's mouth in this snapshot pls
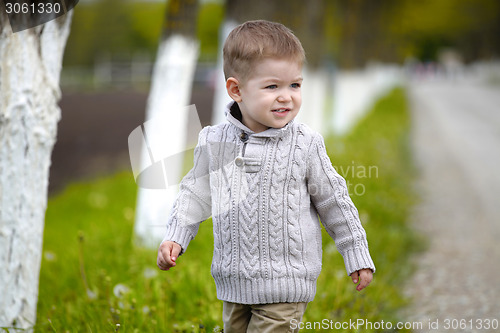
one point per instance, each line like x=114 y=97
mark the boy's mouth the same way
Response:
x=281 y=110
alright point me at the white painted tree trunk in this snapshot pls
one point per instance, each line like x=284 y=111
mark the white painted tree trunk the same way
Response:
x=170 y=93
x=30 y=65
x=221 y=98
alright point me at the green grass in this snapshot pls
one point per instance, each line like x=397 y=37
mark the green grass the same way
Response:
x=89 y=254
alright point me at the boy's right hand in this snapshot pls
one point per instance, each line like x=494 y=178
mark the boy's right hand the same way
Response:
x=167 y=255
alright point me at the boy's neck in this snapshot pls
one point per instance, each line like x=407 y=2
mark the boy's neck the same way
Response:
x=236 y=113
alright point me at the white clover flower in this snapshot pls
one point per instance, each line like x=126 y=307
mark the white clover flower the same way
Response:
x=97 y=200
x=340 y=274
x=91 y=294
x=150 y=273
x=120 y=290
x=49 y=256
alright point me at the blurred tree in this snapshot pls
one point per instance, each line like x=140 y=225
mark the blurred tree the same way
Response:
x=391 y=30
x=470 y=26
x=356 y=30
x=172 y=80
x=209 y=20
x=364 y=31
x=30 y=65
x=113 y=28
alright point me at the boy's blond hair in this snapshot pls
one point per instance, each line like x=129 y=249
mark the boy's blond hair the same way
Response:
x=256 y=40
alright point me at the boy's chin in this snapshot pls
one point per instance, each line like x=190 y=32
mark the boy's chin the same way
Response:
x=281 y=124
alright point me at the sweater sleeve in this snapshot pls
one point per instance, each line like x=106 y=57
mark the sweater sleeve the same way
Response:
x=330 y=197
x=193 y=203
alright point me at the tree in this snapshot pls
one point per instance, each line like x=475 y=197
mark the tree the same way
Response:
x=173 y=77
x=471 y=27
x=30 y=65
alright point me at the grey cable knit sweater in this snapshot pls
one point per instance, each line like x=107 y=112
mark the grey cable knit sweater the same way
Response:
x=264 y=192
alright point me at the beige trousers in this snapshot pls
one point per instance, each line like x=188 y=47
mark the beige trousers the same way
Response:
x=261 y=318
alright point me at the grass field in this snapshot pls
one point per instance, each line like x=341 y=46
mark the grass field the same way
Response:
x=93 y=279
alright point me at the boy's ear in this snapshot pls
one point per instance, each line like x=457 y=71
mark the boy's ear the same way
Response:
x=233 y=89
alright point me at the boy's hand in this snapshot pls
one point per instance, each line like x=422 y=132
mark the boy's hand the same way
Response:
x=167 y=255
x=365 y=276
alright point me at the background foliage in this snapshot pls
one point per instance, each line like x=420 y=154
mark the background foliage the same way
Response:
x=355 y=31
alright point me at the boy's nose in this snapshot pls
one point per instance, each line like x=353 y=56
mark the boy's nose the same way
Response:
x=284 y=97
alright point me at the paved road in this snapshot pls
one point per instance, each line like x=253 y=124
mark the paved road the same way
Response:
x=456 y=140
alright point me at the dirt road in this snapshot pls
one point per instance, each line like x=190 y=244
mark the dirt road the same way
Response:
x=456 y=140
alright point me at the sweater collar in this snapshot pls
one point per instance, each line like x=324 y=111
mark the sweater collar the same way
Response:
x=233 y=115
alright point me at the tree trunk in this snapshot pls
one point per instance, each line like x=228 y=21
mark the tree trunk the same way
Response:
x=30 y=65
x=170 y=93
x=221 y=98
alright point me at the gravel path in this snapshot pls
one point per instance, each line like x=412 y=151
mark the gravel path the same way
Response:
x=456 y=141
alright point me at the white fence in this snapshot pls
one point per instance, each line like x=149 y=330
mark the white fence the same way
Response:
x=355 y=92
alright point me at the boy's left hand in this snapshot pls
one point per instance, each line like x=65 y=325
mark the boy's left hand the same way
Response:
x=364 y=276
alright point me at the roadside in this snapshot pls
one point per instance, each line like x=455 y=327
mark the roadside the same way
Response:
x=456 y=140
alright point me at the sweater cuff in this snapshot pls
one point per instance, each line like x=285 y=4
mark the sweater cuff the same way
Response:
x=181 y=236
x=358 y=258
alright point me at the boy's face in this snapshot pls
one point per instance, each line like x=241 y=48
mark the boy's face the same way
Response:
x=271 y=96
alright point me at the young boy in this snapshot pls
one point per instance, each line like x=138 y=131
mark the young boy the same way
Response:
x=264 y=179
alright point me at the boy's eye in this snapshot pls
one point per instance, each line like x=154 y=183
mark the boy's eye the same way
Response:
x=272 y=86
x=295 y=85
